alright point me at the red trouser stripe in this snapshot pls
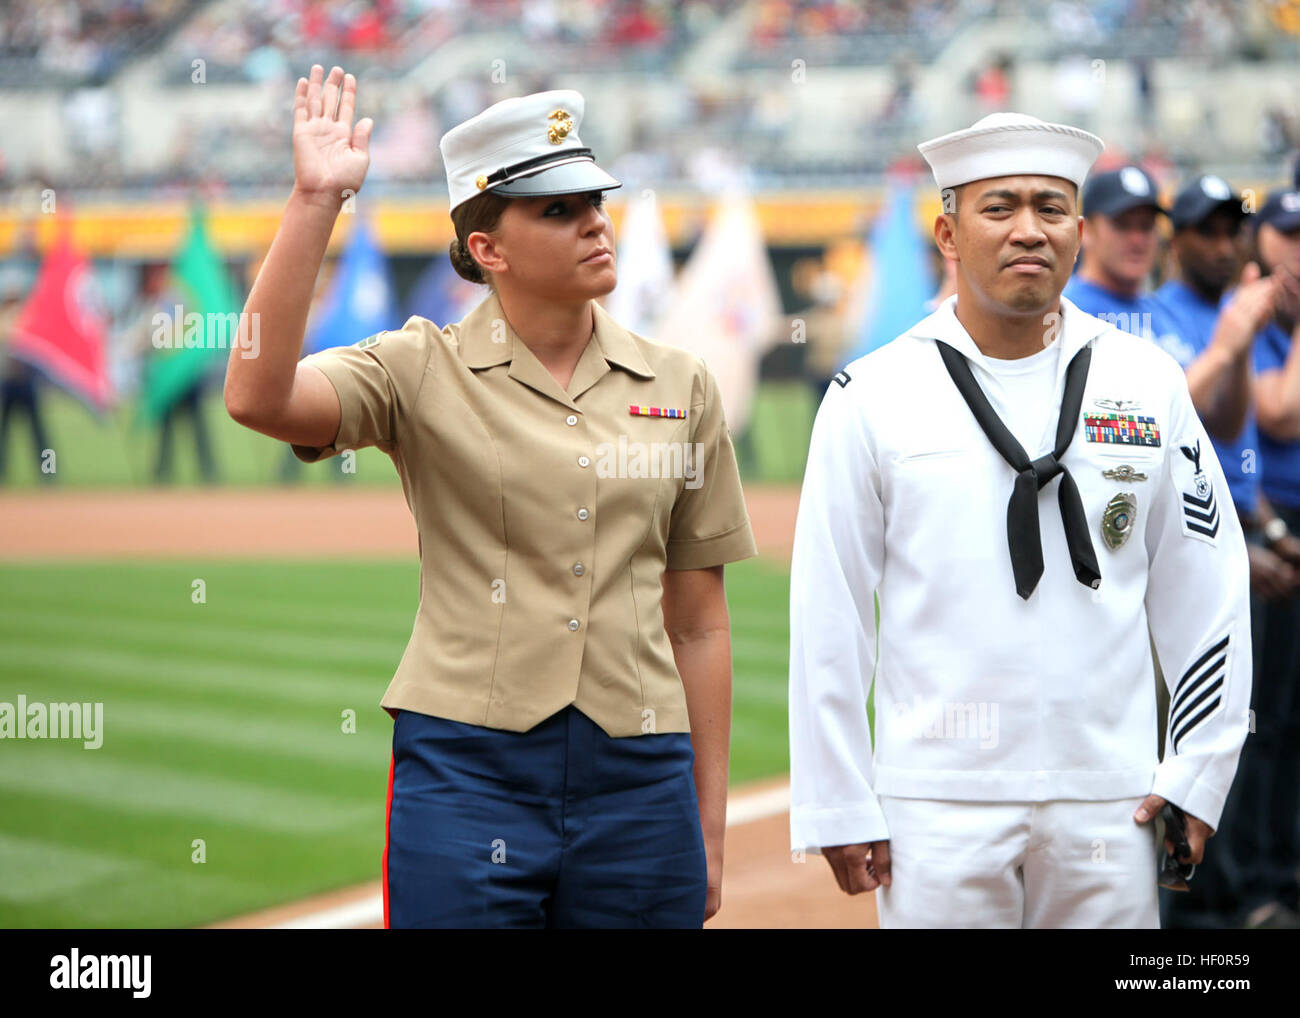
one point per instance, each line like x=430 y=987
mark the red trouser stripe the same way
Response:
x=388 y=816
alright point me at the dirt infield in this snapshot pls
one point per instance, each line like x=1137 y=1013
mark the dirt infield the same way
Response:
x=763 y=886
x=170 y=523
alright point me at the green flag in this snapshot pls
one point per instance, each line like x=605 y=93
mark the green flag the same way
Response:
x=203 y=328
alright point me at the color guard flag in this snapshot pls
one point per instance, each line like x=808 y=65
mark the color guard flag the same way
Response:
x=198 y=334
x=361 y=300
x=726 y=307
x=645 y=268
x=60 y=330
x=442 y=296
x=901 y=280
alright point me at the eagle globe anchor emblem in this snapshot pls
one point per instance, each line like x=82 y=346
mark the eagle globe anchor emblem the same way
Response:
x=559 y=130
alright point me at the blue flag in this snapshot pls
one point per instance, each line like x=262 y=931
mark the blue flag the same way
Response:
x=901 y=279
x=361 y=300
x=442 y=296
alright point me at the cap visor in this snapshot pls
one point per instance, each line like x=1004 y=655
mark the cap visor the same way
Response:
x=569 y=178
x=1206 y=208
x=1287 y=222
x=1132 y=201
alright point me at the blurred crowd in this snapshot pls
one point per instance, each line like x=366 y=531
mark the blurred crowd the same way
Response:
x=252 y=40
x=1212 y=28
x=1213 y=277
x=78 y=39
x=780 y=22
x=265 y=44
x=261 y=40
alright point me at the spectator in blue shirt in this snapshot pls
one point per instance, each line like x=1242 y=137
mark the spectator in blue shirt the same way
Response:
x=1265 y=838
x=1277 y=247
x=1212 y=336
x=1120 y=244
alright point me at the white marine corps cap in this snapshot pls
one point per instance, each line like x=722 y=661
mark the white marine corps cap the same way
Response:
x=522 y=147
x=1011 y=144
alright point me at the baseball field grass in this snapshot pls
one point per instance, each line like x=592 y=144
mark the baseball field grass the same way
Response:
x=227 y=780
x=113 y=451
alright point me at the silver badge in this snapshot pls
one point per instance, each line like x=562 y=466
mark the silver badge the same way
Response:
x=1118 y=519
x=1124 y=472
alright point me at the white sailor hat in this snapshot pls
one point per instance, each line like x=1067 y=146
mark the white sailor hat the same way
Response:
x=1011 y=144
x=522 y=147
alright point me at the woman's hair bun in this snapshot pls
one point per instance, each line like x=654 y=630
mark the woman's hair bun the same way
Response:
x=464 y=264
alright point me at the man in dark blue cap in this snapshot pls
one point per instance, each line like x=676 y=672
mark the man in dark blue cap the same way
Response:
x=1245 y=879
x=1120 y=244
x=1216 y=329
x=1119 y=247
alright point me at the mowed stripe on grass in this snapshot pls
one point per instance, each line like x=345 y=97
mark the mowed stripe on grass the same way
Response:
x=223 y=728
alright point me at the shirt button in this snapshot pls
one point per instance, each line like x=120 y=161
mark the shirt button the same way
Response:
x=583 y=461
x=573 y=625
x=578 y=569
x=582 y=513
x=571 y=420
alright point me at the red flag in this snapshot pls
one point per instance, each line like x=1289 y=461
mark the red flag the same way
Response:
x=60 y=330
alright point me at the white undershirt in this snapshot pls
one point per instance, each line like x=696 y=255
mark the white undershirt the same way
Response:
x=1026 y=397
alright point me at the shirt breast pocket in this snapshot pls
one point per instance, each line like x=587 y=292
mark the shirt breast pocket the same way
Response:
x=927 y=455
x=1114 y=462
x=1117 y=483
x=1128 y=453
x=947 y=500
x=644 y=470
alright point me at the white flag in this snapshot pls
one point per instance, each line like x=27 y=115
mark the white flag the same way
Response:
x=726 y=307
x=645 y=268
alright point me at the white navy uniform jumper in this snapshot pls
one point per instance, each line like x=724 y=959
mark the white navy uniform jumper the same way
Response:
x=1015 y=736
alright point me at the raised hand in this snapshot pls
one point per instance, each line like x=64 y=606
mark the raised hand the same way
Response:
x=1246 y=312
x=330 y=156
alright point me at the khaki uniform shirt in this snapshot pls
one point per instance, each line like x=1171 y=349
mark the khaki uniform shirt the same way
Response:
x=546 y=517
